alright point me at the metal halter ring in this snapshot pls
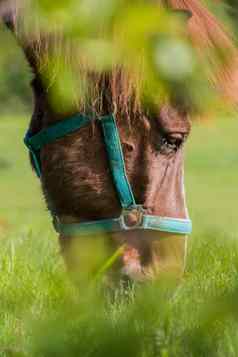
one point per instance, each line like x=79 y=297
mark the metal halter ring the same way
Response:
x=132 y=218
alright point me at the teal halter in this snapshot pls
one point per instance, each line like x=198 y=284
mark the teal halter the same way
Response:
x=120 y=180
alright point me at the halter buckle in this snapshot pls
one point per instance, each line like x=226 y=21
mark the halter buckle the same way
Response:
x=132 y=217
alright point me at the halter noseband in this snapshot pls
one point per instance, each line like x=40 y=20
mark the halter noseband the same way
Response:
x=120 y=180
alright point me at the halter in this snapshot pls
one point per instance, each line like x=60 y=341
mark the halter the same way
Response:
x=123 y=188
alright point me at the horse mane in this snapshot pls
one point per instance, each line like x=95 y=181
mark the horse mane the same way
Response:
x=213 y=41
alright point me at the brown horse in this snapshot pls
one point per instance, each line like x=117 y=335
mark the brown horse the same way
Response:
x=76 y=180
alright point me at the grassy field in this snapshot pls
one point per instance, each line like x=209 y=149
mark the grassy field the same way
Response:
x=42 y=313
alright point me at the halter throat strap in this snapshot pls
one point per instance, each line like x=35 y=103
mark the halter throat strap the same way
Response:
x=117 y=167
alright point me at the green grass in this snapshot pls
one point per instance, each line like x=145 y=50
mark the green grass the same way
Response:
x=42 y=313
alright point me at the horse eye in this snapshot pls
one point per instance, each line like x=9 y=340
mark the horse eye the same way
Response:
x=172 y=142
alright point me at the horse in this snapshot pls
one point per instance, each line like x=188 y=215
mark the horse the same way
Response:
x=108 y=165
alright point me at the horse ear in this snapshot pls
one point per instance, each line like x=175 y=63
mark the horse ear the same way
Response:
x=8 y=16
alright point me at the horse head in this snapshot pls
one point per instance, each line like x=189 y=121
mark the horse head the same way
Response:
x=131 y=178
x=80 y=186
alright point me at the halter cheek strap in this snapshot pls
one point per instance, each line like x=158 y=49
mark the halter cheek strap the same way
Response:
x=120 y=180
x=116 y=162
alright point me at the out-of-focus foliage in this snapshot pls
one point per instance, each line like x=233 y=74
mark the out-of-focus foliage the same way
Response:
x=138 y=35
x=147 y=40
x=150 y=41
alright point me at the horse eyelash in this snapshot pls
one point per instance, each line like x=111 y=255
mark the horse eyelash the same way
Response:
x=167 y=143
